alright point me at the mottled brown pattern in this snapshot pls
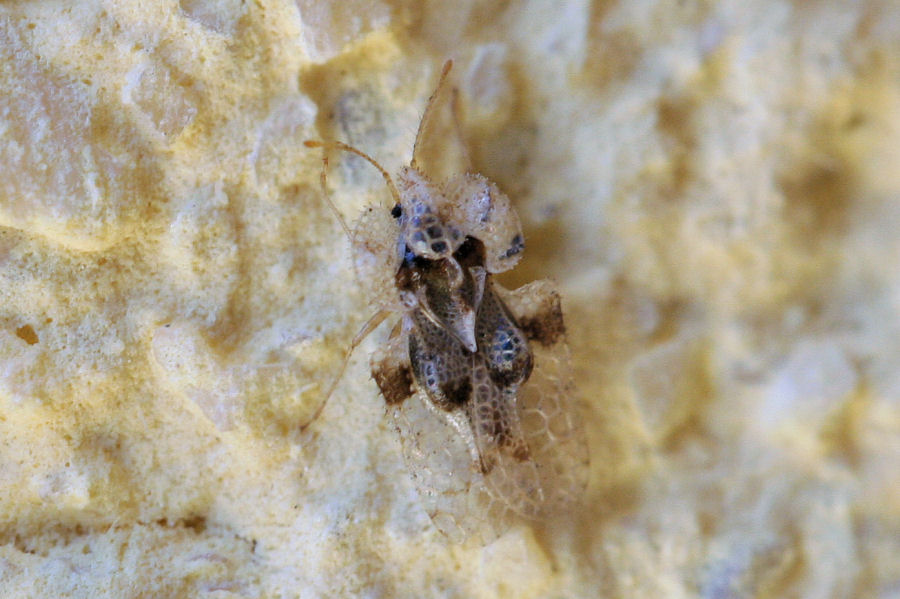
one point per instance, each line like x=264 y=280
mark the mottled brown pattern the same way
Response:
x=440 y=365
x=502 y=342
x=520 y=452
x=457 y=392
x=396 y=384
x=545 y=326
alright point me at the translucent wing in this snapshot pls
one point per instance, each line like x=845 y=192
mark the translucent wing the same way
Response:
x=509 y=471
x=547 y=407
x=440 y=454
x=435 y=431
x=510 y=449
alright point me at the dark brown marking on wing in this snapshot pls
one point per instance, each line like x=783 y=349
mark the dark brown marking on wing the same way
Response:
x=497 y=428
x=546 y=325
x=513 y=376
x=520 y=452
x=395 y=383
x=457 y=391
x=486 y=464
x=440 y=365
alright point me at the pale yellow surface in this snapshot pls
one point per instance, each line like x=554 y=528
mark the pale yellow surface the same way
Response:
x=714 y=185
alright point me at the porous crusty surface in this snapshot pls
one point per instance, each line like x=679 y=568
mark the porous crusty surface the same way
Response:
x=712 y=184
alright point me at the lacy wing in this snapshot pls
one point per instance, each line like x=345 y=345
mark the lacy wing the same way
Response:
x=547 y=405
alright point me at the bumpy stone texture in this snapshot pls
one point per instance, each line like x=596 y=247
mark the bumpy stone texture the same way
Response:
x=713 y=185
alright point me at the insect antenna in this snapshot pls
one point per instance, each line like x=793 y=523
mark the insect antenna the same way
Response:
x=457 y=124
x=339 y=145
x=429 y=110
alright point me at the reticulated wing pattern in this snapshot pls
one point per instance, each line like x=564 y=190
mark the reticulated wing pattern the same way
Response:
x=440 y=454
x=440 y=364
x=547 y=405
x=511 y=449
x=510 y=473
x=501 y=343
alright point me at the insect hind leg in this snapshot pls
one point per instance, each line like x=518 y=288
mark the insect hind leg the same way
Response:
x=364 y=332
x=323 y=183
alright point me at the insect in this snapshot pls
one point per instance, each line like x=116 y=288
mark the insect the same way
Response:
x=476 y=376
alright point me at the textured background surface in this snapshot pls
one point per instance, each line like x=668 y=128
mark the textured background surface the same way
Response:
x=713 y=184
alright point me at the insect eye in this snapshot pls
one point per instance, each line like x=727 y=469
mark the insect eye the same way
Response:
x=396 y=211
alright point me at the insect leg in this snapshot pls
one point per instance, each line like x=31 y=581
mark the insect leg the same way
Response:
x=322 y=182
x=367 y=328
